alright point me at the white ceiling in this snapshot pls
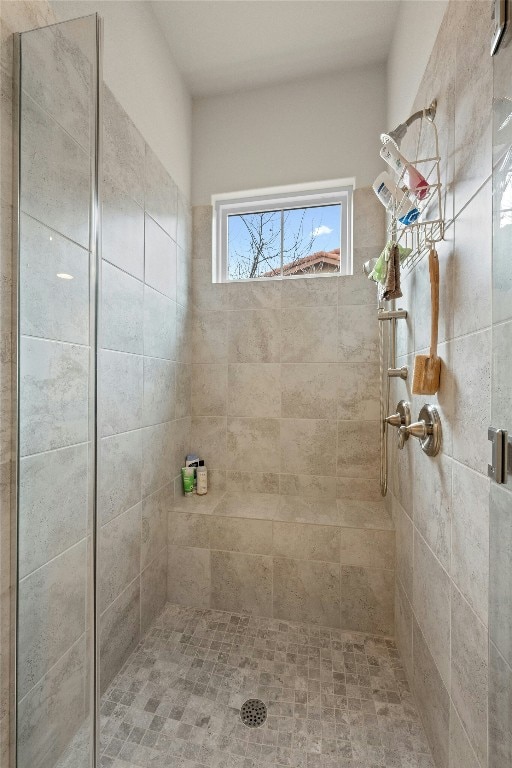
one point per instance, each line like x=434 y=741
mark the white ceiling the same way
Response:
x=228 y=45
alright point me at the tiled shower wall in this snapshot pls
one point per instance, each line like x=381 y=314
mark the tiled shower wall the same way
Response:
x=142 y=405
x=441 y=505
x=13 y=16
x=144 y=381
x=285 y=387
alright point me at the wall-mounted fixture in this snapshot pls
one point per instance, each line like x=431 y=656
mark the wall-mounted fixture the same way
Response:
x=402 y=417
x=416 y=187
x=427 y=429
x=388 y=370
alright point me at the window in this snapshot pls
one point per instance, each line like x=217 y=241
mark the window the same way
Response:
x=281 y=233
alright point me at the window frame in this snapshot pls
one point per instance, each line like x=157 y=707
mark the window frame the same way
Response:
x=334 y=192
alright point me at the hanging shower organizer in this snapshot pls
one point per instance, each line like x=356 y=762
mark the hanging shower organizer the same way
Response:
x=428 y=229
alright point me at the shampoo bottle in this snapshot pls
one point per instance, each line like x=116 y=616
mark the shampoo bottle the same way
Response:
x=393 y=197
x=411 y=176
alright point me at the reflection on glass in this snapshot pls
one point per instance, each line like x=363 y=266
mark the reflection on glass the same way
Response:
x=56 y=407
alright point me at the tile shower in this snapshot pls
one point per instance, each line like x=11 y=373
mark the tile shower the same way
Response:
x=280 y=583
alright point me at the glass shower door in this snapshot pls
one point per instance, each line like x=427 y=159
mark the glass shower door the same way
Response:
x=500 y=581
x=58 y=97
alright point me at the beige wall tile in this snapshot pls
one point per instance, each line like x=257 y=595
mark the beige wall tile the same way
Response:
x=366 y=548
x=367 y=600
x=431 y=601
x=189 y=577
x=258 y=295
x=189 y=530
x=472 y=262
x=307 y=591
x=205 y=293
x=469 y=672
x=254 y=389
x=355 y=513
x=432 y=504
x=209 y=389
x=242 y=582
x=155 y=516
x=253 y=482
x=358 y=391
x=51 y=614
x=299 y=509
x=232 y=535
x=473 y=102
x=119 y=554
x=254 y=336
x=209 y=337
x=472 y=360
x=358 y=338
x=500 y=577
x=44 y=728
x=369 y=224
x=309 y=390
x=253 y=443
x=356 y=288
x=358 y=448
x=500 y=709
x=310 y=292
x=470 y=537
x=119 y=632
x=432 y=699
x=208 y=436
x=321 y=487
x=202 y=231
x=404 y=549
x=308 y=446
x=153 y=590
x=358 y=489
x=308 y=335
x=403 y=629
x=306 y=542
x=238 y=503
x=183 y=390
x=462 y=754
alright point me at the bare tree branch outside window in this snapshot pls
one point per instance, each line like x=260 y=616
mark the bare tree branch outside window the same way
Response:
x=275 y=243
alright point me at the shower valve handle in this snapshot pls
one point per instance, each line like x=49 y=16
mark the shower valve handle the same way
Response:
x=427 y=429
x=418 y=429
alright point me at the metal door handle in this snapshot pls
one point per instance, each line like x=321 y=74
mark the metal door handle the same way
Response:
x=501 y=465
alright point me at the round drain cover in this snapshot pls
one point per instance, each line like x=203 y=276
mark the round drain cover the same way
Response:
x=253 y=713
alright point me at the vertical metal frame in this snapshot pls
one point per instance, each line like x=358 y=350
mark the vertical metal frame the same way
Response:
x=92 y=622
x=15 y=330
x=94 y=325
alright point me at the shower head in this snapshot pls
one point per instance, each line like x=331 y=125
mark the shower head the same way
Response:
x=396 y=135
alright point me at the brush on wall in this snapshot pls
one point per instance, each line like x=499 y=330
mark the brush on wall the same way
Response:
x=427 y=368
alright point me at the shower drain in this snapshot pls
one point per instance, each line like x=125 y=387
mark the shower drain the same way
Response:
x=253 y=713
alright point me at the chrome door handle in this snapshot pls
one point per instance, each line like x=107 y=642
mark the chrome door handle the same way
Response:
x=501 y=465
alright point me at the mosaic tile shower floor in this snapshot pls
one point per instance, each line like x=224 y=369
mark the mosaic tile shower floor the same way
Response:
x=335 y=699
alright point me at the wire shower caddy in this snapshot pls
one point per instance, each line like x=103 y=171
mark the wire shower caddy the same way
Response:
x=429 y=228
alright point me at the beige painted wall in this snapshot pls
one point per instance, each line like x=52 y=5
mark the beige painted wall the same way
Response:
x=139 y=69
x=304 y=131
x=416 y=28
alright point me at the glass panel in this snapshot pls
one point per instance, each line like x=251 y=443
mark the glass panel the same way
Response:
x=56 y=409
x=254 y=245
x=311 y=242
x=294 y=241
x=500 y=581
